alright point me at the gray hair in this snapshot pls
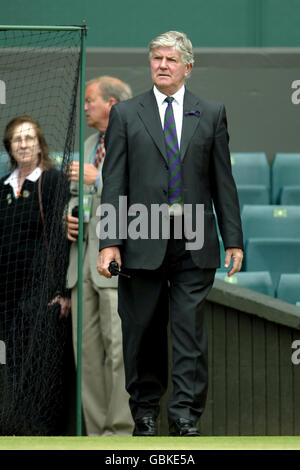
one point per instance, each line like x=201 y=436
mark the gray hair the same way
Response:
x=175 y=39
x=112 y=87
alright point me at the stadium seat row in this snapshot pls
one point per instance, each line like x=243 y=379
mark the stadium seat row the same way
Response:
x=272 y=221
x=274 y=255
x=271 y=242
x=287 y=287
x=259 y=183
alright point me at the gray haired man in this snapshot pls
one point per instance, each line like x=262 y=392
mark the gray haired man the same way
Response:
x=169 y=147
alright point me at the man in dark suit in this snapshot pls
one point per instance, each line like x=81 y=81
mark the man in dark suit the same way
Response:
x=167 y=152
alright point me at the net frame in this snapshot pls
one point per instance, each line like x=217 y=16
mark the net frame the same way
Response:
x=83 y=30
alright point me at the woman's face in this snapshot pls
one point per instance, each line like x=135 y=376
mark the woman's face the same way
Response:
x=25 y=146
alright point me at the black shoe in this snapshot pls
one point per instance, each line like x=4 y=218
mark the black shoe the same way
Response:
x=183 y=427
x=145 y=426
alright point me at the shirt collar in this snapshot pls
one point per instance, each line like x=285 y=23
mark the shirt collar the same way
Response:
x=178 y=96
x=13 y=177
x=33 y=176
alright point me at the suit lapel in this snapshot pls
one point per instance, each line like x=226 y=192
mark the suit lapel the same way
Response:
x=149 y=114
x=191 y=118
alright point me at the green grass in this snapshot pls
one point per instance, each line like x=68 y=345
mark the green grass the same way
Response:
x=152 y=443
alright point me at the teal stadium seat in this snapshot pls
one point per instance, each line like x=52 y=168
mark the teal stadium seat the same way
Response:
x=257 y=281
x=290 y=195
x=271 y=221
x=75 y=157
x=253 y=194
x=251 y=168
x=288 y=288
x=4 y=164
x=58 y=156
x=285 y=171
x=276 y=255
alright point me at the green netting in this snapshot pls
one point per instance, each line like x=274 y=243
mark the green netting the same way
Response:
x=39 y=75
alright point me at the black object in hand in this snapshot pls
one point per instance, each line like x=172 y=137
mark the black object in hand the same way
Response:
x=75 y=212
x=114 y=269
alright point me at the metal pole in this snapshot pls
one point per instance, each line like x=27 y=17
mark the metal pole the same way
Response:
x=41 y=28
x=80 y=236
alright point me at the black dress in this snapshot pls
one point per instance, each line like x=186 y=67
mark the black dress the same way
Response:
x=33 y=263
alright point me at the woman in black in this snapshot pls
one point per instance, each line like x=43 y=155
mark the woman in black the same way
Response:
x=33 y=302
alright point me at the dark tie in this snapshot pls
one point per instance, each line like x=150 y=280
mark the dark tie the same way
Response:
x=173 y=153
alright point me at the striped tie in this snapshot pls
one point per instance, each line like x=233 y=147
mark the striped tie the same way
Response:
x=100 y=152
x=173 y=153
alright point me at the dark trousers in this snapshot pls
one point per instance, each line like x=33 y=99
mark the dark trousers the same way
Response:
x=147 y=300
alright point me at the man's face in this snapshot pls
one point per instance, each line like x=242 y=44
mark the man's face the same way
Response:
x=168 y=70
x=96 y=109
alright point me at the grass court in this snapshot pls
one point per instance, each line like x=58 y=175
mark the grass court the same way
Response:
x=152 y=443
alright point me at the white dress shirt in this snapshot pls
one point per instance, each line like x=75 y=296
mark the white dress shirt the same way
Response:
x=177 y=104
x=177 y=108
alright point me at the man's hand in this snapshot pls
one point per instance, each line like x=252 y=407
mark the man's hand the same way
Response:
x=106 y=255
x=72 y=224
x=90 y=173
x=65 y=305
x=237 y=255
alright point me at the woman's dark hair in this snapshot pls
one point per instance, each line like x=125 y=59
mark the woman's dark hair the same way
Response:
x=45 y=161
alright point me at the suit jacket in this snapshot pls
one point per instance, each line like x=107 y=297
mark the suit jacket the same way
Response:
x=90 y=238
x=136 y=166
